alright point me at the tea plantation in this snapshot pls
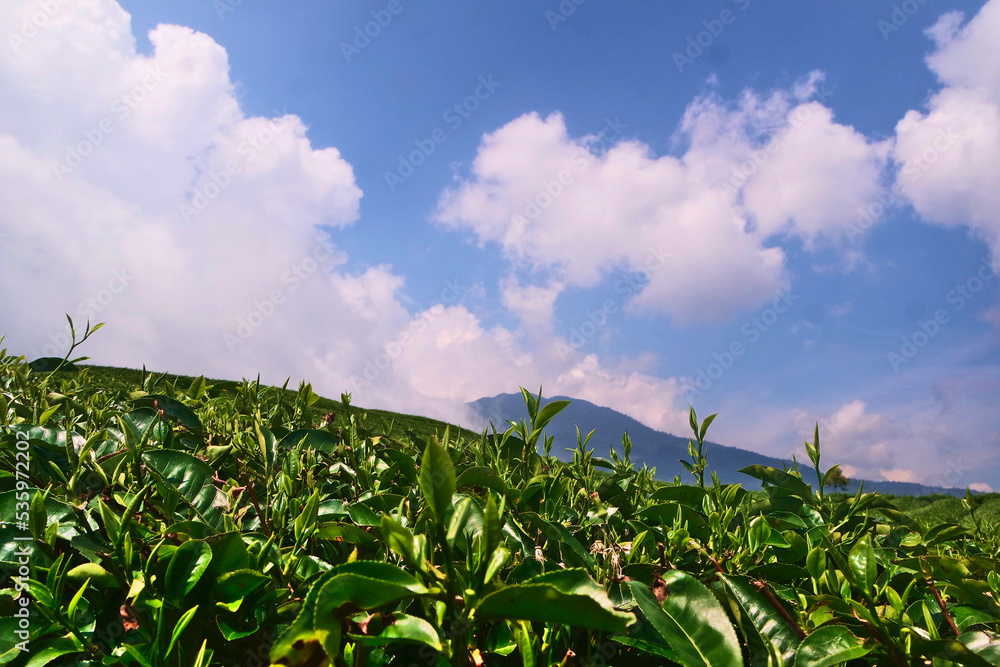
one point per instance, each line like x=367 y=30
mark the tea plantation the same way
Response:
x=158 y=521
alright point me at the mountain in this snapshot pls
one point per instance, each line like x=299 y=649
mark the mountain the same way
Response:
x=657 y=449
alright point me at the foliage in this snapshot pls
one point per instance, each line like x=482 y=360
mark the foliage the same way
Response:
x=193 y=522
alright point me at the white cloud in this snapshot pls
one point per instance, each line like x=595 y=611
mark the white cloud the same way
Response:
x=949 y=156
x=855 y=436
x=582 y=207
x=899 y=475
x=820 y=174
x=140 y=137
x=202 y=236
x=533 y=304
x=992 y=315
x=981 y=487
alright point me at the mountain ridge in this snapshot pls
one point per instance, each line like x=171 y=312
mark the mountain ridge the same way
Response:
x=657 y=448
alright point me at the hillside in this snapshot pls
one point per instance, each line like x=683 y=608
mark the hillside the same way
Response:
x=199 y=522
x=400 y=423
x=658 y=449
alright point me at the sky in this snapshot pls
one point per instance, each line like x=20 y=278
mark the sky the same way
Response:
x=787 y=213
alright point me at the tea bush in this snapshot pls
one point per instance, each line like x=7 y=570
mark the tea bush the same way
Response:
x=173 y=522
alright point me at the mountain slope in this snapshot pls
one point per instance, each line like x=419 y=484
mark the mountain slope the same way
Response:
x=655 y=448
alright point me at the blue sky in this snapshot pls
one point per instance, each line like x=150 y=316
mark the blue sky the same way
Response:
x=280 y=192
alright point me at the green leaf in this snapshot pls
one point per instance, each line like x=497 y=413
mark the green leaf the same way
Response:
x=690 y=621
x=402 y=628
x=569 y=597
x=190 y=477
x=830 y=645
x=530 y=402
x=49 y=364
x=768 y=622
x=492 y=527
x=321 y=441
x=305 y=522
x=794 y=485
x=984 y=644
x=229 y=553
x=233 y=586
x=179 y=628
x=546 y=414
x=950 y=650
x=966 y=617
x=458 y=520
x=266 y=442
x=187 y=564
x=816 y=562
x=362 y=515
x=204 y=656
x=658 y=650
x=50 y=650
x=94 y=572
x=366 y=584
x=110 y=520
x=759 y=533
x=399 y=538
x=692 y=496
x=437 y=479
x=570 y=547
x=73 y=603
x=486 y=478
x=704 y=426
x=863 y=564
x=497 y=559
x=136 y=654
x=234 y=627
x=197 y=387
x=37 y=516
x=812 y=448
x=173 y=409
x=299 y=644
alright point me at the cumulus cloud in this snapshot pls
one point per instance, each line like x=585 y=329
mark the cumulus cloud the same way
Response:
x=134 y=189
x=855 y=436
x=949 y=154
x=697 y=224
x=533 y=304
